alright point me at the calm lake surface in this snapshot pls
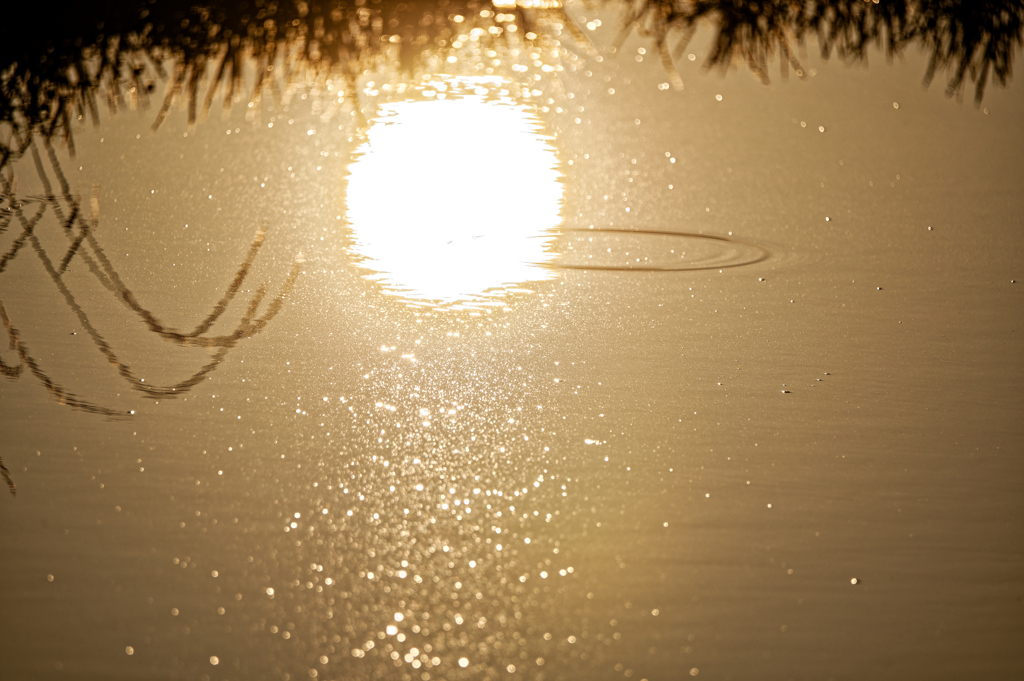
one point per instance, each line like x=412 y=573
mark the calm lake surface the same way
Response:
x=455 y=423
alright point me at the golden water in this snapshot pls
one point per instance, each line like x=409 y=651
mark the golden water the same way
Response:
x=304 y=404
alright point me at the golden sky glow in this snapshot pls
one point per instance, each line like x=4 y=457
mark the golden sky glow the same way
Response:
x=451 y=198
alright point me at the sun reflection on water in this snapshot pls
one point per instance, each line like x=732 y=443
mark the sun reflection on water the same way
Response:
x=455 y=195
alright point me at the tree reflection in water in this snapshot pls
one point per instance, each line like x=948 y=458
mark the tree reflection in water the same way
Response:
x=975 y=40
x=7 y=478
x=83 y=244
x=56 y=68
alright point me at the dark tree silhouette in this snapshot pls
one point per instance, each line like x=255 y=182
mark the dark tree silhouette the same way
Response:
x=59 y=66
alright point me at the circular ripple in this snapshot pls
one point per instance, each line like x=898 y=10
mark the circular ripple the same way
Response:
x=650 y=251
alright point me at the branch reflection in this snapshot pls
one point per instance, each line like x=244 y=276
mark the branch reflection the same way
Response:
x=79 y=231
x=58 y=67
x=7 y=478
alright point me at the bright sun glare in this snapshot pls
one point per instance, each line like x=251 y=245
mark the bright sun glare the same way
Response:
x=450 y=199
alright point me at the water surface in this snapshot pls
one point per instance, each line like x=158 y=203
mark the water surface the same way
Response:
x=283 y=415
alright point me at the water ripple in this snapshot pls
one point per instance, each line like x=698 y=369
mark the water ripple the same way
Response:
x=648 y=250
